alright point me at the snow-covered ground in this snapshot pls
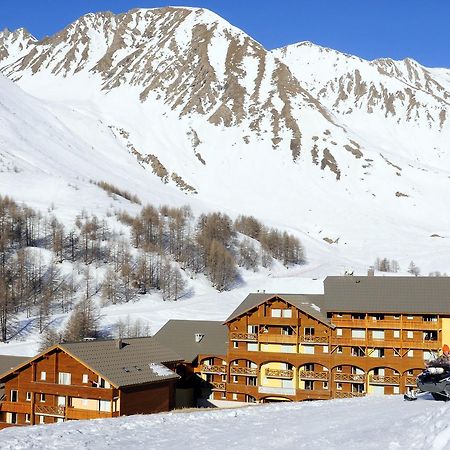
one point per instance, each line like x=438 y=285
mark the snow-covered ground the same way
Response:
x=366 y=423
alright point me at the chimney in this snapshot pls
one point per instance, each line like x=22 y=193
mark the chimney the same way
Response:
x=199 y=337
x=371 y=272
x=119 y=344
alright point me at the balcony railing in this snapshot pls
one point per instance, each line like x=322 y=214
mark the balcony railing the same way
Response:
x=384 y=379
x=276 y=390
x=386 y=324
x=16 y=407
x=280 y=373
x=277 y=338
x=246 y=371
x=80 y=414
x=49 y=410
x=313 y=375
x=220 y=369
x=314 y=339
x=251 y=337
x=350 y=377
x=370 y=342
x=411 y=380
x=340 y=394
x=216 y=386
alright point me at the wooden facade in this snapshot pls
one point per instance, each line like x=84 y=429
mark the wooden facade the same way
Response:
x=277 y=352
x=56 y=387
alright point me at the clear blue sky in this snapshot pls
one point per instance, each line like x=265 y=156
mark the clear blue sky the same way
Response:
x=368 y=28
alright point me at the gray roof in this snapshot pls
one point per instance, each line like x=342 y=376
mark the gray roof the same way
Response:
x=137 y=362
x=419 y=295
x=8 y=362
x=310 y=304
x=179 y=335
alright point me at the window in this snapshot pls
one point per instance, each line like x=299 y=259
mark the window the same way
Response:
x=252 y=347
x=224 y=378
x=290 y=348
x=251 y=381
x=410 y=334
x=430 y=335
x=28 y=396
x=396 y=333
x=235 y=363
x=252 y=329
x=325 y=385
x=234 y=396
x=325 y=348
x=397 y=317
x=339 y=315
x=356 y=387
x=104 y=405
x=224 y=395
x=358 y=316
x=286 y=313
x=338 y=331
x=427 y=356
x=41 y=419
x=276 y=312
x=339 y=386
x=250 y=399
x=235 y=379
x=309 y=331
x=287 y=331
x=43 y=376
x=378 y=317
x=410 y=353
x=27 y=418
x=64 y=378
x=358 y=334
x=378 y=334
x=308 y=349
x=309 y=385
x=357 y=351
x=235 y=344
x=339 y=349
x=430 y=318
x=85 y=378
x=339 y=369
x=14 y=396
x=396 y=390
x=42 y=398
x=410 y=317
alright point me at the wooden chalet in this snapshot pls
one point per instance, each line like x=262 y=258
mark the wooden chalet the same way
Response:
x=363 y=336
x=88 y=380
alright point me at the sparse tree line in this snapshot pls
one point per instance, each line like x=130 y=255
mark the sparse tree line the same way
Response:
x=386 y=265
x=157 y=250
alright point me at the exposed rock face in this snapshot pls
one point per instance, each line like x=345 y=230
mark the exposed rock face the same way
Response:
x=13 y=43
x=191 y=60
x=402 y=90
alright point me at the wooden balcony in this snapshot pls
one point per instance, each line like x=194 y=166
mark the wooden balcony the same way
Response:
x=313 y=375
x=277 y=338
x=246 y=371
x=315 y=394
x=220 y=369
x=339 y=394
x=16 y=407
x=383 y=343
x=84 y=414
x=411 y=380
x=255 y=320
x=216 y=386
x=48 y=410
x=314 y=340
x=249 y=337
x=385 y=380
x=276 y=390
x=69 y=390
x=404 y=324
x=279 y=373
x=350 y=377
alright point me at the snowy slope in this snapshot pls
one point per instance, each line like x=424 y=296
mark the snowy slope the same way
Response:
x=349 y=155
x=369 y=423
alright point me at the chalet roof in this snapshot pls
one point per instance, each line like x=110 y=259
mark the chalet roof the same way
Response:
x=139 y=361
x=415 y=295
x=179 y=335
x=310 y=304
x=8 y=362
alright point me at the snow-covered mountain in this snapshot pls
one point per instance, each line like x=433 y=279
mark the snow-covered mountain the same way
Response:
x=179 y=106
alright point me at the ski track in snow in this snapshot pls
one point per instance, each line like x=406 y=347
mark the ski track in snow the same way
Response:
x=367 y=423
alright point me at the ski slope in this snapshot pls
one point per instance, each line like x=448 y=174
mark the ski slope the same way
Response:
x=365 y=423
